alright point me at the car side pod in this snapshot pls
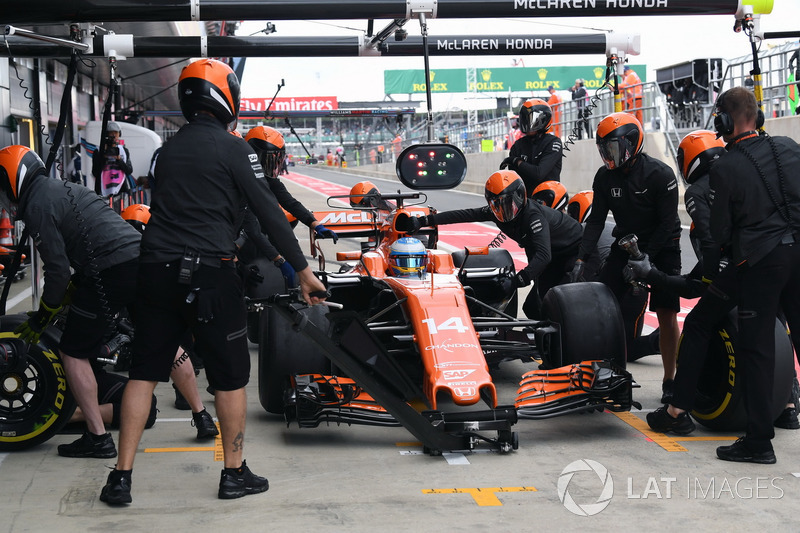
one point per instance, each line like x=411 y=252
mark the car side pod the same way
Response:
x=580 y=387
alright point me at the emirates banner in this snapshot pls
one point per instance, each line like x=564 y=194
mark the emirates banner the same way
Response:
x=498 y=80
x=297 y=103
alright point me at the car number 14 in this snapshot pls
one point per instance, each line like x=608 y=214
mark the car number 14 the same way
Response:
x=453 y=323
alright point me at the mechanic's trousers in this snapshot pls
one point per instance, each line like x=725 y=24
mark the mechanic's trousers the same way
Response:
x=772 y=282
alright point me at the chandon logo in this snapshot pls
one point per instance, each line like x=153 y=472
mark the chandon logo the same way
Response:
x=449 y=347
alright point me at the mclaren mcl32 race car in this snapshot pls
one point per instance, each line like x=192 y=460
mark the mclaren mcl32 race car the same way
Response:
x=412 y=333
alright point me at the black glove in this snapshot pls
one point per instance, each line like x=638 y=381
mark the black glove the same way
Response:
x=510 y=162
x=254 y=276
x=30 y=330
x=640 y=268
x=411 y=224
x=577 y=272
x=521 y=279
x=207 y=304
x=627 y=274
x=326 y=233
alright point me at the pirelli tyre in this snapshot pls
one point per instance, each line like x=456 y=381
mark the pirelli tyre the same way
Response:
x=590 y=322
x=273 y=283
x=34 y=400
x=719 y=403
x=283 y=351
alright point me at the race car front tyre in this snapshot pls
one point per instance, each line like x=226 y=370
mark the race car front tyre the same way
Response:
x=590 y=322
x=719 y=404
x=35 y=402
x=283 y=352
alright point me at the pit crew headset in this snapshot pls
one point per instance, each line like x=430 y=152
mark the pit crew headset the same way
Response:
x=270 y=146
x=552 y=194
x=505 y=194
x=620 y=139
x=696 y=152
x=723 y=121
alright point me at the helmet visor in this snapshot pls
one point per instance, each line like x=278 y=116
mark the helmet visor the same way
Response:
x=408 y=265
x=272 y=162
x=615 y=152
x=505 y=207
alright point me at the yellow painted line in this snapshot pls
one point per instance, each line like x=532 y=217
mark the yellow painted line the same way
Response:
x=407 y=444
x=485 y=496
x=166 y=450
x=640 y=425
x=706 y=438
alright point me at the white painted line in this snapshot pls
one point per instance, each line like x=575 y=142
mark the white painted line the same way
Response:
x=455 y=458
x=795 y=474
x=2 y=456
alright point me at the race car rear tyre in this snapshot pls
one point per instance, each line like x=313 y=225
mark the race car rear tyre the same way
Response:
x=719 y=404
x=273 y=283
x=34 y=400
x=590 y=322
x=282 y=352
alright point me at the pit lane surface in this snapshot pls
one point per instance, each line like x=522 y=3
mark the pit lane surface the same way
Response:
x=363 y=479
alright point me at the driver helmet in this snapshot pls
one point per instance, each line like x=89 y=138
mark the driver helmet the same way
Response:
x=18 y=166
x=697 y=151
x=552 y=194
x=209 y=85
x=505 y=194
x=580 y=205
x=268 y=143
x=408 y=258
x=364 y=194
x=137 y=215
x=620 y=139
x=535 y=116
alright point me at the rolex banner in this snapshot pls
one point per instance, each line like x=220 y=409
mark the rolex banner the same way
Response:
x=497 y=80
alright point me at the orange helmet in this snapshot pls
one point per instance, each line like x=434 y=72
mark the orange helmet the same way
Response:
x=18 y=165
x=137 y=215
x=236 y=133
x=505 y=194
x=552 y=194
x=697 y=151
x=620 y=138
x=580 y=205
x=209 y=85
x=364 y=194
x=535 y=116
x=270 y=147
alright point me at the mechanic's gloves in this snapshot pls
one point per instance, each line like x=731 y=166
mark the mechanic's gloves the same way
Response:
x=638 y=268
x=577 y=272
x=325 y=233
x=511 y=162
x=411 y=224
x=287 y=270
x=32 y=329
x=522 y=279
x=208 y=304
x=254 y=276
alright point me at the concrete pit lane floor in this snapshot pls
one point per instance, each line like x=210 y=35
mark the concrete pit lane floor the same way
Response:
x=592 y=472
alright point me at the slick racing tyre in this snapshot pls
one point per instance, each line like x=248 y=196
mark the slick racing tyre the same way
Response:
x=590 y=322
x=719 y=403
x=283 y=352
x=273 y=283
x=34 y=400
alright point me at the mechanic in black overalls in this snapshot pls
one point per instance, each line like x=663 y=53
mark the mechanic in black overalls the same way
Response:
x=206 y=177
x=696 y=153
x=642 y=194
x=536 y=156
x=549 y=237
x=757 y=208
x=74 y=230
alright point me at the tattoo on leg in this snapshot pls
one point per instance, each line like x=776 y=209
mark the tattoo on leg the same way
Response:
x=238 y=442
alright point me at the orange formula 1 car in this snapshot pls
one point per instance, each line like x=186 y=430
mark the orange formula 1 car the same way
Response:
x=420 y=329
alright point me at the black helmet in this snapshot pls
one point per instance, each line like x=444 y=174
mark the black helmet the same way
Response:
x=535 y=116
x=18 y=166
x=505 y=194
x=209 y=85
x=620 y=138
x=268 y=143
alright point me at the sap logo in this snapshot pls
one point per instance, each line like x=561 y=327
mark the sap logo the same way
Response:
x=456 y=374
x=343 y=217
x=616 y=192
x=253 y=158
x=464 y=392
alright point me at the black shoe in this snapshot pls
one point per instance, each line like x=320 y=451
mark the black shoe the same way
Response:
x=740 y=453
x=89 y=445
x=180 y=402
x=660 y=420
x=788 y=419
x=238 y=482
x=206 y=429
x=117 y=489
x=667 y=387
